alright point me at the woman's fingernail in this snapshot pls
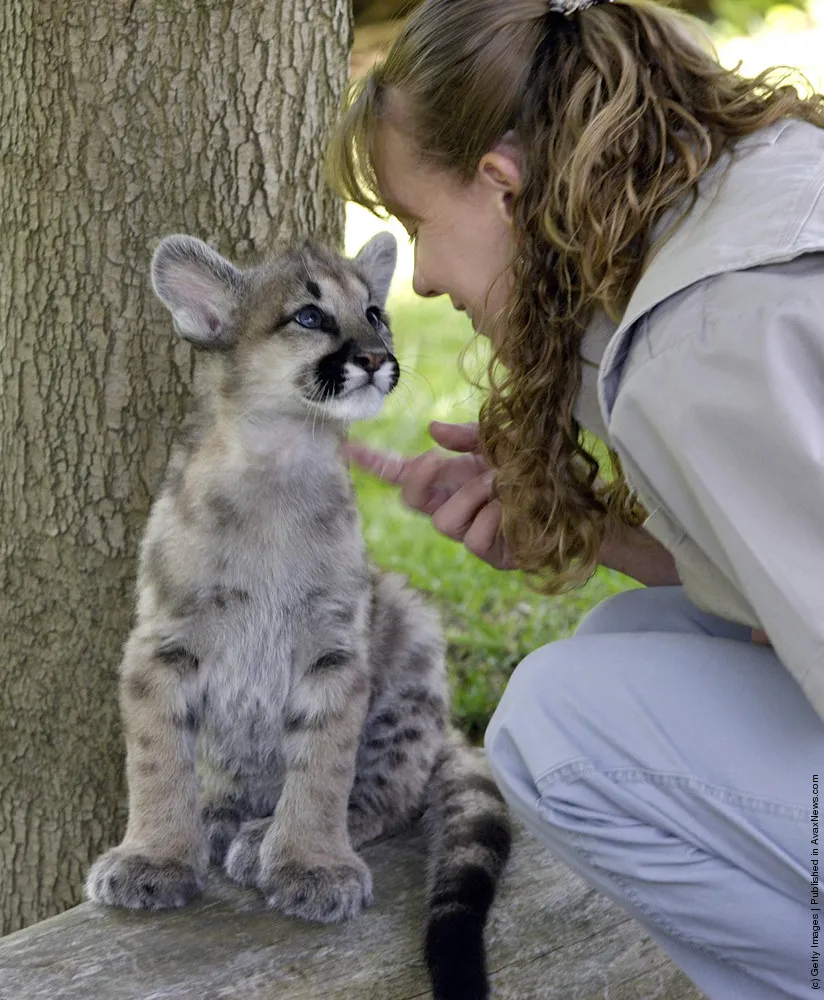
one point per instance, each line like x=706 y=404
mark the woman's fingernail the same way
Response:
x=388 y=458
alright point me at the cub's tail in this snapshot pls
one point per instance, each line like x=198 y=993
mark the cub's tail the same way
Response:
x=470 y=839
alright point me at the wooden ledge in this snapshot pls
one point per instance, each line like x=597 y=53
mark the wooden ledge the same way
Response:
x=550 y=936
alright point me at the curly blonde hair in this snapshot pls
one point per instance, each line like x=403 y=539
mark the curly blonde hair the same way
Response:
x=617 y=112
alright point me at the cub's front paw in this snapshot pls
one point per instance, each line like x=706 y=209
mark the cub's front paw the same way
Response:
x=324 y=892
x=137 y=883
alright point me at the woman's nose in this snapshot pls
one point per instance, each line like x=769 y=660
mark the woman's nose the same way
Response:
x=421 y=284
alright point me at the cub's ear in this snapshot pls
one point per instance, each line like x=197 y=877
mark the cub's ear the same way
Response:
x=200 y=289
x=377 y=260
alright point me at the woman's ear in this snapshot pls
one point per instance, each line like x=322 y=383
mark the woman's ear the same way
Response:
x=500 y=171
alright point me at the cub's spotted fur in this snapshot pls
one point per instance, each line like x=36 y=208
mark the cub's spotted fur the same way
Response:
x=284 y=703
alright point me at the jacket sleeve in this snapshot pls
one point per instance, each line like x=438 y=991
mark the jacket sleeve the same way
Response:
x=722 y=414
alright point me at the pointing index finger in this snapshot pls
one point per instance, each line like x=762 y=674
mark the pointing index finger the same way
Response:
x=388 y=466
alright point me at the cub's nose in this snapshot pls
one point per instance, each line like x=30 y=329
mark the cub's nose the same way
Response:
x=370 y=361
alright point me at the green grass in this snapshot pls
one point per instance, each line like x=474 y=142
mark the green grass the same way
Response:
x=492 y=619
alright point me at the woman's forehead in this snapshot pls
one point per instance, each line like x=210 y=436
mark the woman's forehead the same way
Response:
x=398 y=170
x=406 y=181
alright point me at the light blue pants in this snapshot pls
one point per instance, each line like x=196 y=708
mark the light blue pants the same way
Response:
x=670 y=762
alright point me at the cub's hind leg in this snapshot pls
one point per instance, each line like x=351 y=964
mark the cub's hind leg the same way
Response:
x=225 y=813
x=221 y=822
x=407 y=713
x=161 y=862
x=237 y=819
x=233 y=795
x=243 y=857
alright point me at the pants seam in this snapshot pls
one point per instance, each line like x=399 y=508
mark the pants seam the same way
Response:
x=574 y=770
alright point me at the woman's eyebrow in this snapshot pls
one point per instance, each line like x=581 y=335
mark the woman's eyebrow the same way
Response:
x=400 y=213
x=394 y=207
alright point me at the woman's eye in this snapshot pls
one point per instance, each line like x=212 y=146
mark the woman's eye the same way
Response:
x=373 y=314
x=311 y=317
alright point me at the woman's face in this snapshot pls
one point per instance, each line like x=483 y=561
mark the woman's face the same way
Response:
x=463 y=233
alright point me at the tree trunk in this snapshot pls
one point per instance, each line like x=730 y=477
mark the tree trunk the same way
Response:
x=122 y=121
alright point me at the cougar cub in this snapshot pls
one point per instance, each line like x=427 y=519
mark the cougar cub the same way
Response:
x=282 y=702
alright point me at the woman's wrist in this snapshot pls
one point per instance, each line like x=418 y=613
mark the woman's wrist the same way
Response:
x=635 y=553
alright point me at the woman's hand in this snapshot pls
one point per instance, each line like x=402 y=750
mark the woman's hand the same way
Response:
x=455 y=491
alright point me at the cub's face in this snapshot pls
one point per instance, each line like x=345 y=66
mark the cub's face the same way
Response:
x=304 y=333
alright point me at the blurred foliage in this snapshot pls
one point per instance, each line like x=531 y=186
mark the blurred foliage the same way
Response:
x=376 y=21
x=741 y=15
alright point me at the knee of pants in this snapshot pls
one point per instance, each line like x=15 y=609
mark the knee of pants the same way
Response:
x=648 y=608
x=528 y=733
x=571 y=707
x=543 y=749
x=656 y=609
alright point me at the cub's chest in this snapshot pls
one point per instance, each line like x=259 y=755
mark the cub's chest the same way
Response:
x=309 y=525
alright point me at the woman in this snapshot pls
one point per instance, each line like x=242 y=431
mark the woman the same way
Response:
x=640 y=234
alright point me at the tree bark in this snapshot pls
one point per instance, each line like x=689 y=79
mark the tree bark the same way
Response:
x=123 y=120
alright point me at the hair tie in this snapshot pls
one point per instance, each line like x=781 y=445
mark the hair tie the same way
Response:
x=570 y=7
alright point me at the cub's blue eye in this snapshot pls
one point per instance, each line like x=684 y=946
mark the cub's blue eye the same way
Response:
x=373 y=314
x=311 y=317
